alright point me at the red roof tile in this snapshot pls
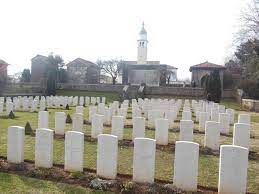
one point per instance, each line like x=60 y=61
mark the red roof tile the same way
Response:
x=207 y=66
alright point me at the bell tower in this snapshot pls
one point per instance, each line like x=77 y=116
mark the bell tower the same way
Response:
x=142 y=46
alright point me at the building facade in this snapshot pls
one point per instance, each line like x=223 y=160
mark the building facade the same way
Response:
x=39 y=65
x=83 y=71
x=3 y=71
x=202 y=69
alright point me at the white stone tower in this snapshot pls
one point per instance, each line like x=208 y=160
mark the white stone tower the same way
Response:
x=142 y=46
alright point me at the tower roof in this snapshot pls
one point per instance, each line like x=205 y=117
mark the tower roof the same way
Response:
x=143 y=30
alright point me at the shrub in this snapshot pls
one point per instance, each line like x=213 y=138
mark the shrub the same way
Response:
x=11 y=115
x=67 y=107
x=76 y=175
x=28 y=129
x=68 y=119
x=250 y=88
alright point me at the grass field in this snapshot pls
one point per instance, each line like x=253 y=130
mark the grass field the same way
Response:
x=208 y=164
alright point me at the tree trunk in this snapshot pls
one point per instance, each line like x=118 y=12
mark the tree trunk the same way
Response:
x=113 y=80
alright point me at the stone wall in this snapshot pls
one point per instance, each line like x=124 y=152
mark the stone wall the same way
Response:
x=250 y=105
x=22 y=89
x=175 y=91
x=229 y=93
x=161 y=90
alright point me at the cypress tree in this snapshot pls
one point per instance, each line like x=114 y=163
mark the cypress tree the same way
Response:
x=213 y=86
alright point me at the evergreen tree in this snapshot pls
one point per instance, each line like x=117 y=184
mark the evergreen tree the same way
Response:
x=55 y=63
x=26 y=76
x=213 y=86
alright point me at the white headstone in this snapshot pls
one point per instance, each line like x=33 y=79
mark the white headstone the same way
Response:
x=138 y=127
x=81 y=101
x=92 y=111
x=43 y=119
x=171 y=116
x=117 y=126
x=136 y=112
x=186 y=115
x=78 y=122
x=74 y=151
x=104 y=100
x=60 y=122
x=161 y=135
x=80 y=109
x=93 y=100
x=44 y=148
x=212 y=135
x=186 y=130
x=1 y=107
x=222 y=109
x=232 y=169
x=42 y=105
x=15 y=144
x=144 y=160
x=224 y=123
x=9 y=107
x=203 y=117
x=241 y=135
x=97 y=125
x=107 y=153
x=244 y=118
x=87 y=100
x=215 y=114
x=107 y=115
x=231 y=113
x=186 y=165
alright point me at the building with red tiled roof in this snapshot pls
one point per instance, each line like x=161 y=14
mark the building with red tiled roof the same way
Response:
x=3 y=71
x=202 y=69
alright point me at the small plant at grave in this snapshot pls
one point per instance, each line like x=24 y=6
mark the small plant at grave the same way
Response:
x=42 y=172
x=11 y=115
x=98 y=184
x=76 y=175
x=128 y=186
x=68 y=119
x=28 y=129
x=46 y=109
x=67 y=107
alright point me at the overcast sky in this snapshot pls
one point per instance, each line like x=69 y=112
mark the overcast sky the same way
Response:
x=180 y=32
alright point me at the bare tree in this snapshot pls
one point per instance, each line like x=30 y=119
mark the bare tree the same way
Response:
x=249 y=22
x=111 y=67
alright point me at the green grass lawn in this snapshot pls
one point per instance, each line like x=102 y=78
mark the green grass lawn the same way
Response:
x=11 y=183
x=208 y=164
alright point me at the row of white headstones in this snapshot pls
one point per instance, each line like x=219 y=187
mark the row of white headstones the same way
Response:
x=31 y=104
x=233 y=158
